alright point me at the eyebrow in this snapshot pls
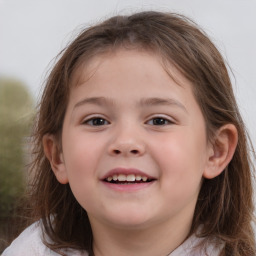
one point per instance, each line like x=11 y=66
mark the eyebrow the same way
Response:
x=101 y=101
x=162 y=101
x=155 y=101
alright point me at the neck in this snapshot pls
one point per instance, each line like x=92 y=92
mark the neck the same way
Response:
x=160 y=239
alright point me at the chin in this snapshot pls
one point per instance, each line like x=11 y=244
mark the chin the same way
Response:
x=129 y=220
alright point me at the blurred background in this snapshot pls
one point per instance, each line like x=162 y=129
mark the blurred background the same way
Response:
x=32 y=33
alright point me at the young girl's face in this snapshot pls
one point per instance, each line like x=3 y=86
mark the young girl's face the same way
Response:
x=134 y=146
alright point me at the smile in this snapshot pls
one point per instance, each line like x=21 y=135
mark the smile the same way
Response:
x=130 y=177
x=127 y=179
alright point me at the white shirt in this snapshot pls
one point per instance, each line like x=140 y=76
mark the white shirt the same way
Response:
x=29 y=243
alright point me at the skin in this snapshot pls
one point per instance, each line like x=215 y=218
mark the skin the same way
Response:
x=165 y=138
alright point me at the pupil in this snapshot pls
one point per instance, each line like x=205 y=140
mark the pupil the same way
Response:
x=98 y=121
x=159 y=121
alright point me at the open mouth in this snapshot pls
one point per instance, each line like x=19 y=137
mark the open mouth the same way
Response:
x=127 y=179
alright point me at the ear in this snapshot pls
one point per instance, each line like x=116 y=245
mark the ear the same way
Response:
x=221 y=151
x=55 y=156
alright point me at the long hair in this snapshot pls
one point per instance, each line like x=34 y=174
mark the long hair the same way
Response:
x=225 y=203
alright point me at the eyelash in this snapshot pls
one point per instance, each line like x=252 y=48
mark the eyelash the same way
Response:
x=163 y=121
x=91 y=121
x=155 y=121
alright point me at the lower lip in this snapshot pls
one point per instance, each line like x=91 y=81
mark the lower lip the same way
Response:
x=128 y=187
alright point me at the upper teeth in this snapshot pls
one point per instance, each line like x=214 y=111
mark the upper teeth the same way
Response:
x=129 y=177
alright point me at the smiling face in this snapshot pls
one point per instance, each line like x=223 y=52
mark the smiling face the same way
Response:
x=134 y=146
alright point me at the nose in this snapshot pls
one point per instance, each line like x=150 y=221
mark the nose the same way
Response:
x=127 y=143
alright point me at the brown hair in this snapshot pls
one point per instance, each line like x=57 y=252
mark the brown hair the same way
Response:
x=225 y=203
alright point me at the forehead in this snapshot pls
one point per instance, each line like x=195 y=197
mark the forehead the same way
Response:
x=130 y=75
x=88 y=67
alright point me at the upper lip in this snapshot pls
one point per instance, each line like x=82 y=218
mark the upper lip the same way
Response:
x=126 y=171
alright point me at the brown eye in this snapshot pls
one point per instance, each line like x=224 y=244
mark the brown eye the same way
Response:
x=159 y=121
x=98 y=121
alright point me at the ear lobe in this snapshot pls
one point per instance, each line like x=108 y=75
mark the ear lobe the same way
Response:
x=222 y=151
x=55 y=157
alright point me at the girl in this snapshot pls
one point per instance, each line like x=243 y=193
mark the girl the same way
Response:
x=140 y=148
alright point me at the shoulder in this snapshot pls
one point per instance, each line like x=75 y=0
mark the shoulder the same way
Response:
x=30 y=243
x=195 y=246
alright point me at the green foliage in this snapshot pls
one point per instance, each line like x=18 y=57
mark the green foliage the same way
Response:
x=16 y=111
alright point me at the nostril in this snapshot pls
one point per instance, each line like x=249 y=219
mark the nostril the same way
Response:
x=117 y=152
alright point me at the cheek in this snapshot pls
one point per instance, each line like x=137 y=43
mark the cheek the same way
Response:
x=81 y=162
x=80 y=151
x=181 y=159
x=181 y=148
x=81 y=156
